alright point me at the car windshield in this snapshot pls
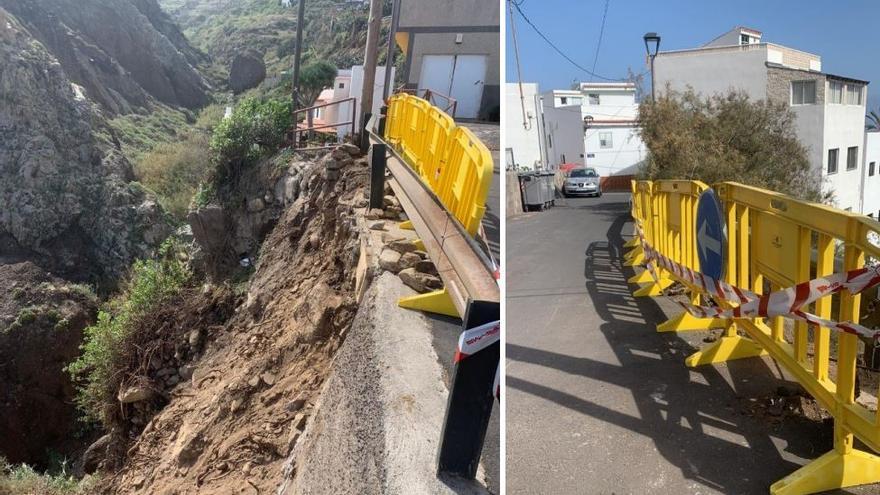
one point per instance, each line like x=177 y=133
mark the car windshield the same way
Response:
x=583 y=172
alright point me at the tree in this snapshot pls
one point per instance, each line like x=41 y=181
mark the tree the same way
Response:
x=726 y=138
x=874 y=120
x=313 y=79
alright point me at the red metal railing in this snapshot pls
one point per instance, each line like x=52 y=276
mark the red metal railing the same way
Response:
x=302 y=133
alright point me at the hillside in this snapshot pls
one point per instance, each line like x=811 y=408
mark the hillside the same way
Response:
x=335 y=30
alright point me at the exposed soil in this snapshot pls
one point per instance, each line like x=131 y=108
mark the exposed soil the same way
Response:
x=41 y=324
x=230 y=426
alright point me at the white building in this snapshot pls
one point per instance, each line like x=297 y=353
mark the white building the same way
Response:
x=871 y=175
x=830 y=109
x=523 y=134
x=349 y=83
x=609 y=132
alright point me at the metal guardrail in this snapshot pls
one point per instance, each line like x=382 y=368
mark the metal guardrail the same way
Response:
x=299 y=132
x=446 y=103
x=470 y=287
x=774 y=242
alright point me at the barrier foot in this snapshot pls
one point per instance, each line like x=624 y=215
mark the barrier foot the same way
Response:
x=832 y=470
x=420 y=246
x=636 y=260
x=654 y=289
x=638 y=251
x=725 y=349
x=438 y=302
x=643 y=277
x=633 y=242
x=406 y=225
x=686 y=322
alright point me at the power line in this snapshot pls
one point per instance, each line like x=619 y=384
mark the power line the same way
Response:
x=599 y=44
x=557 y=49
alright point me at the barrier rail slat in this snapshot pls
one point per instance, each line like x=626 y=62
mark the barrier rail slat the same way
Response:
x=776 y=242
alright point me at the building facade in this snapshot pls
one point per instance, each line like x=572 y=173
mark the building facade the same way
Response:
x=348 y=83
x=871 y=175
x=609 y=138
x=523 y=128
x=829 y=109
x=453 y=48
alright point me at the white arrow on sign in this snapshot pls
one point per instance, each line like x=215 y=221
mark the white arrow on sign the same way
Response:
x=706 y=241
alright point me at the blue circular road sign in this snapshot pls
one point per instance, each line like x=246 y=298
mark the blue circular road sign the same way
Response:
x=711 y=235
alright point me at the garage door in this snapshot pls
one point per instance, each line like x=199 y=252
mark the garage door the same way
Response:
x=459 y=76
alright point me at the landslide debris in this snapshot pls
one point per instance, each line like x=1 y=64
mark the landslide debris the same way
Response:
x=252 y=378
x=41 y=325
x=68 y=203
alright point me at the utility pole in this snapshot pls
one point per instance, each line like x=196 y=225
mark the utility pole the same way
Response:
x=297 y=57
x=370 y=59
x=522 y=98
x=389 y=59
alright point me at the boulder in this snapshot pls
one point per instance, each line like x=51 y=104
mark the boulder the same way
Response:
x=96 y=453
x=247 y=71
x=418 y=281
x=389 y=260
x=134 y=393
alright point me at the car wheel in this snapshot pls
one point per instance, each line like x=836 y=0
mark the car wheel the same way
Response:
x=599 y=194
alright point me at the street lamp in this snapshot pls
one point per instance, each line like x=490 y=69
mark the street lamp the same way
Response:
x=652 y=45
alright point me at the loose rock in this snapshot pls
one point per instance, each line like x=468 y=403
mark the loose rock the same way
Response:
x=389 y=260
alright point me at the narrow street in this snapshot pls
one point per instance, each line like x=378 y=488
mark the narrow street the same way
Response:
x=599 y=402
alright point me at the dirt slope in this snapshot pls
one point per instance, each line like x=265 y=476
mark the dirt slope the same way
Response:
x=229 y=428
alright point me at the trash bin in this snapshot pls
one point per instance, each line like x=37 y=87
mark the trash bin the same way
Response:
x=548 y=180
x=533 y=191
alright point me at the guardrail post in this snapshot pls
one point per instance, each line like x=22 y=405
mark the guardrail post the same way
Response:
x=471 y=398
x=377 y=175
x=383 y=117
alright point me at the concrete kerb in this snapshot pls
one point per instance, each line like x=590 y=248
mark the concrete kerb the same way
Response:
x=380 y=415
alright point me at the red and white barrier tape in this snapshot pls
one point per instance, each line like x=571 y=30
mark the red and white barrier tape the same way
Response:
x=476 y=339
x=785 y=302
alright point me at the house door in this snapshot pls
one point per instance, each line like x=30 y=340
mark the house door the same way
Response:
x=459 y=76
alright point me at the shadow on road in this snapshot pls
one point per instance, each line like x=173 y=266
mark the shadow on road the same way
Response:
x=695 y=417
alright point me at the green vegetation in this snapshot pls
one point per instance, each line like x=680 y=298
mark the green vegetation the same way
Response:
x=22 y=479
x=873 y=120
x=105 y=343
x=313 y=79
x=256 y=128
x=726 y=138
x=174 y=170
x=139 y=133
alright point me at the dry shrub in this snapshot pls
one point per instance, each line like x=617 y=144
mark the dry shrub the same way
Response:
x=174 y=170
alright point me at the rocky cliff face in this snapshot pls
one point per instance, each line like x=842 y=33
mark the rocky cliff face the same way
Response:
x=66 y=200
x=122 y=52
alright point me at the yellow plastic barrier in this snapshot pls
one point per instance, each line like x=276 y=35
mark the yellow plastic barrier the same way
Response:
x=451 y=161
x=775 y=242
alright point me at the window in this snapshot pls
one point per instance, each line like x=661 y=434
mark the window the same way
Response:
x=605 y=140
x=852 y=154
x=563 y=100
x=853 y=94
x=871 y=168
x=803 y=92
x=341 y=85
x=743 y=39
x=835 y=92
x=594 y=98
x=832 y=161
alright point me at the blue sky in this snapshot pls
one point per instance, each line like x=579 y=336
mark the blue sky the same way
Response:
x=845 y=33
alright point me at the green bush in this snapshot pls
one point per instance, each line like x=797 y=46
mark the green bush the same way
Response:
x=726 y=138
x=174 y=170
x=22 y=479
x=256 y=128
x=104 y=347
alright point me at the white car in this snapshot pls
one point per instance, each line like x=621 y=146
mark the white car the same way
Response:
x=582 y=181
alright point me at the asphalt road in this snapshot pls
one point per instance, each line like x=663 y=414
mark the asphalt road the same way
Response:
x=599 y=403
x=447 y=330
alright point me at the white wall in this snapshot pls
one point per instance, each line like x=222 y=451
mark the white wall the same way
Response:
x=564 y=135
x=714 y=71
x=871 y=202
x=625 y=155
x=357 y=86
x=526 y=142
x=844 y=127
